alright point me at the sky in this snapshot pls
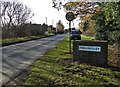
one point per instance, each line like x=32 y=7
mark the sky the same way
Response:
x=43 y=9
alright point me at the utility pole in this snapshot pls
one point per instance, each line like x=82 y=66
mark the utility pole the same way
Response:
x=52 y=22
x=73 y=23
x=46 y=20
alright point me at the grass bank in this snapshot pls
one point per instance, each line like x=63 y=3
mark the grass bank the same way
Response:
x=10 y=41
x=56 y=68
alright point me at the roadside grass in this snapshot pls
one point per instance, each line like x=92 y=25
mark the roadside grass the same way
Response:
x=5 y=42
x=84 y=37
x=56 y=68
x=10 y=41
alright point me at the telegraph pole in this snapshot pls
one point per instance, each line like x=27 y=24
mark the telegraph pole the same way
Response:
x=46 y=20
x=52 y=22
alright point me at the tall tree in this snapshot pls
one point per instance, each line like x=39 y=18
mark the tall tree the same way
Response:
x=13 y=14
x=106 y=15
x=108 y=21
x=82 y=9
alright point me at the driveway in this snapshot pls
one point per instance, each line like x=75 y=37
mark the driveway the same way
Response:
x=17 y=57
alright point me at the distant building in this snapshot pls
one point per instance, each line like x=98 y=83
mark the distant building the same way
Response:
x=59 y=27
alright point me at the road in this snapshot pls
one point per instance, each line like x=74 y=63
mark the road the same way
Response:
x=17 y=57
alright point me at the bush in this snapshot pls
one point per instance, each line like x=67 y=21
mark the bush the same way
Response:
x=114 y=36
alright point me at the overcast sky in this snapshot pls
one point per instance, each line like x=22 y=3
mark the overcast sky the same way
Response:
x=43 y=9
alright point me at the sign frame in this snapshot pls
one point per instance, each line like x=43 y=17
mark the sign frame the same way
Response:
x=90 y=48
x=70 y=16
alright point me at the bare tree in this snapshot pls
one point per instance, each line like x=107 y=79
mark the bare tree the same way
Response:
x=14 y=14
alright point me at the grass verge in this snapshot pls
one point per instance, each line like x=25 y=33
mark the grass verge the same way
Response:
x=10 y=41
x=56 y=68
x=84 y=37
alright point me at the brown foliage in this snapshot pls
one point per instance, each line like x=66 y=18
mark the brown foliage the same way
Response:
x=114 y=55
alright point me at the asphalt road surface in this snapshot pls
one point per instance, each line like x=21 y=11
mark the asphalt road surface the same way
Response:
x=17 y=57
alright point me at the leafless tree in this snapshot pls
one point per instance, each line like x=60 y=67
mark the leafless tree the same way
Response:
x=14 y=14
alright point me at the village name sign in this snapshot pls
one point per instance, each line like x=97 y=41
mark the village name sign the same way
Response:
x=93 y=52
